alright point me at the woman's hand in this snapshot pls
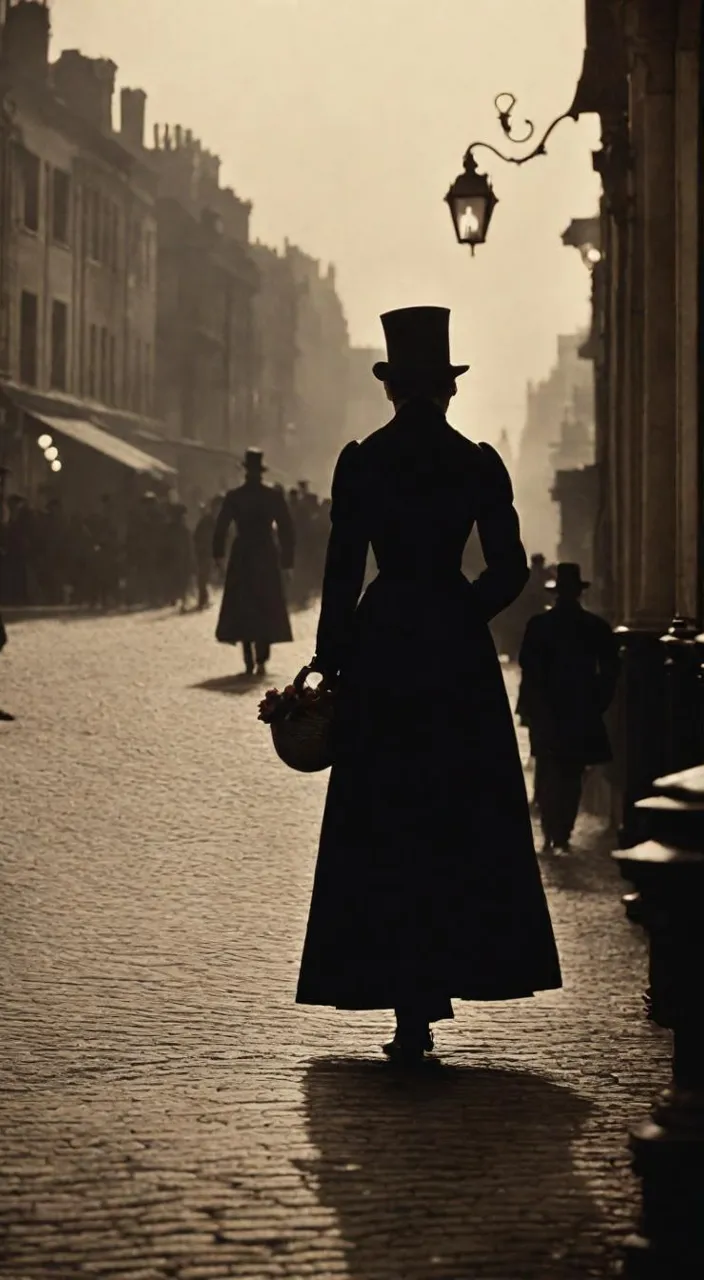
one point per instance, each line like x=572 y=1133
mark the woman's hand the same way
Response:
x=329 y=676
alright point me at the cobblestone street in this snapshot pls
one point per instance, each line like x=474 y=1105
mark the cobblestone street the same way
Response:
x=167 y=1111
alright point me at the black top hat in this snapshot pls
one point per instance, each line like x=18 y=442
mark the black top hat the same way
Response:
x=417 y=343
x=568 y=577
x=254 y=460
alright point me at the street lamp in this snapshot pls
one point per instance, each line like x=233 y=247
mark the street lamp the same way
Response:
x=471 y=197
x=472 y=201
x=585 y=234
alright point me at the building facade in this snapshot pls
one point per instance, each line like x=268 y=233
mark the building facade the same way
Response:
x=643 y=76
x=206 y=349
x=565 y=396
x=78 y=245
x=276 y=321
x=367 y=405
x=322 y=368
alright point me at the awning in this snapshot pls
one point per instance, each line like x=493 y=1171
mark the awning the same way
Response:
x=110 y=446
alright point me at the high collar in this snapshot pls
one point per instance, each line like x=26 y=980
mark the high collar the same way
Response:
x=423 y=412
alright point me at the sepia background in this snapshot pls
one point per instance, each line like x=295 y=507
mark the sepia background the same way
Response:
x=344 y=122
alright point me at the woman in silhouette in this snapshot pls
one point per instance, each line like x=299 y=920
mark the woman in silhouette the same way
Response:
x=427 y=886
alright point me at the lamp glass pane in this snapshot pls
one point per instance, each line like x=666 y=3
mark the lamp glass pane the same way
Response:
x=470 y=217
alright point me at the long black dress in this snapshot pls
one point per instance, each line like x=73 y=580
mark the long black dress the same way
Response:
x=254 y=604
x=427 y=885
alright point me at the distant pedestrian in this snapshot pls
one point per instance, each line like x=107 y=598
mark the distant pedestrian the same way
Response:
x=180 y=561
x=253 y=611
x=569 y=663
x=203 y=544
x=4 y=715
x=509 y=628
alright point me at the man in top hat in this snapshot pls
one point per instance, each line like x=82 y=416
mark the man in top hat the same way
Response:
x=569 y=663
x=253 y=611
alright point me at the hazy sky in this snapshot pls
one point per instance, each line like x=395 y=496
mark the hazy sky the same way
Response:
x=344 y=121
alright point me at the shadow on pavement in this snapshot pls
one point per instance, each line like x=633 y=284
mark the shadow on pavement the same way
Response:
x=450 y=1172
x=240 y=683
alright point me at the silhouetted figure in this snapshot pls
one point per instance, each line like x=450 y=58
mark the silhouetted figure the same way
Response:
x=253 y=611
x=180 y=557
x=510 y=626
x=203 y=545
x=146 y=552
x=18 y=547
x=569 y=660
x=55 y=548
x=4 y=715
x=427 y=885
x=103 y=584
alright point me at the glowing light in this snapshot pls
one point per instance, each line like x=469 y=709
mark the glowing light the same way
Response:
x=56 y=465
x=45 y=442
x=51 y=454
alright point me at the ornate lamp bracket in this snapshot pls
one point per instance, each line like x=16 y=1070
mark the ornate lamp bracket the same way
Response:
x=504 y=114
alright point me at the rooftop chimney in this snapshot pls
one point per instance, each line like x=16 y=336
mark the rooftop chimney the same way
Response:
x=25 y=38
x=87 y=86
x=133 y=103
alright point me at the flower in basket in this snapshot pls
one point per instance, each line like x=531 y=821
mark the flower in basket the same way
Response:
x=300 y=718
x=277 y=706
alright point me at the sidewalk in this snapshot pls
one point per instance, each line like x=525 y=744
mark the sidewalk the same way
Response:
x=167 y=1112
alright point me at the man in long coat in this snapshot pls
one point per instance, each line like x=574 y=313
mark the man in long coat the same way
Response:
x=569 y=660
x=253 y=611
x=427 y=885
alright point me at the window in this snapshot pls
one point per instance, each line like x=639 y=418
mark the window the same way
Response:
x=136 y=251
x=107 y=230
x=103 y=365
x=29 y=312
x=31 y=182
x=137 y=403
x=94 y=224
x=61 y=206
x=59 y=344
x=93 y=363
x=115 y=237
x=112 y=390
x=147 y=397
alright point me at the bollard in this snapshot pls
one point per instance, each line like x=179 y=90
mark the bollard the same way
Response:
x=639 y=723
x=667 y=870
x=683 y=736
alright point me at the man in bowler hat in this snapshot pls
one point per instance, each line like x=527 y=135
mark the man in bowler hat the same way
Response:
x=253 y=611
x=569 y=663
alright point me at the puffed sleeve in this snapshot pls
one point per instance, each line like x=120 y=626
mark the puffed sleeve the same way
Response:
x=345 y=563
x=506 y=572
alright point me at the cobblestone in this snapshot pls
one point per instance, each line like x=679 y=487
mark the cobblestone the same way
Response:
x=167 y=1112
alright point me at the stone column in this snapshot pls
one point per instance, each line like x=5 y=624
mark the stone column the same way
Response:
x=688 y=111
x=653 y=492
x=644 y=435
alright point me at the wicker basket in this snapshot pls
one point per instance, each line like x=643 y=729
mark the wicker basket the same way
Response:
x=303 y=737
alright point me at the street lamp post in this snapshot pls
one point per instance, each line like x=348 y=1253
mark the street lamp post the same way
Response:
x=471 y=198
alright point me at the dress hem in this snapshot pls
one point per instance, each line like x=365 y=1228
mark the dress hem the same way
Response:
x=369 y=1005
